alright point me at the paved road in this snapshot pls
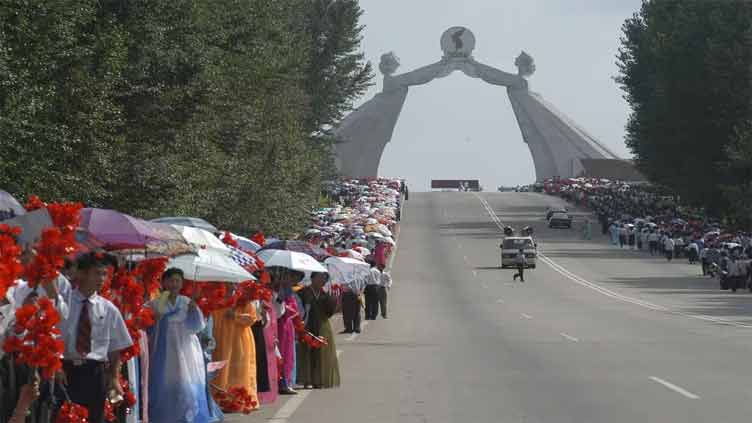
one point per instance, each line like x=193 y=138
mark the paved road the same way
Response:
x=595 y=334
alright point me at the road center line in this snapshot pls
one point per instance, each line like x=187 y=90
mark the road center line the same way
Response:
x=569 y=337
x=526 y=316
x=674 y=388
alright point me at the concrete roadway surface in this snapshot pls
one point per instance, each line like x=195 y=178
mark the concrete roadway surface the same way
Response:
x=595 y=334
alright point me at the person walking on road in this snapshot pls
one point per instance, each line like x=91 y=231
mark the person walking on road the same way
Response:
x=668 y=248
x=521 y=261
x=587 y=230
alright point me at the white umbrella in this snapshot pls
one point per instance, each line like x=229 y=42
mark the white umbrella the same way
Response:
x=354 y=254
x=210 y=266
x=384 y=230
x=290 y=260
x=348 y=271
x=244 y=242
x=201 y=238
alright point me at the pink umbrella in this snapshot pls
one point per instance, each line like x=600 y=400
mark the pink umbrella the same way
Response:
x=116 y=231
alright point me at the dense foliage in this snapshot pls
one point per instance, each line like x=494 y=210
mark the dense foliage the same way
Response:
x=210 y=108
x=685 y=68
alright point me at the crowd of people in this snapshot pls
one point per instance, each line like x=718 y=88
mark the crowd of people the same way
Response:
x=641 y=217
x=115 y=336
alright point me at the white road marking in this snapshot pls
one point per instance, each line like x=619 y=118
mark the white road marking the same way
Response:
x=464 y=258
x=569 y=337
x=607 y=292
x=677 y=389
x=339 y=353
x=500 y=301
x=526 y=316
x=286 y=411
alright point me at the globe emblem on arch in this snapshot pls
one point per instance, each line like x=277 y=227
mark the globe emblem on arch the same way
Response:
x=458 y=41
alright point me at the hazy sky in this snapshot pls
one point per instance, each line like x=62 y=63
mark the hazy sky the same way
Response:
x=459 y=127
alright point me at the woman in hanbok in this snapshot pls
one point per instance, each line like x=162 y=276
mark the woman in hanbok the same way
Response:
x=318 y=368
x=235 y=344
x=269 y=395
x=287 y=311
x=177 y=380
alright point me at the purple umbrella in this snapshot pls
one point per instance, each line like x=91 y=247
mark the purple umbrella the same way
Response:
x=299 y=246
x=117 y=231
x=9 y=206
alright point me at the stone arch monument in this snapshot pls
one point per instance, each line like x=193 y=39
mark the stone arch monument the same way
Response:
x=557 y=144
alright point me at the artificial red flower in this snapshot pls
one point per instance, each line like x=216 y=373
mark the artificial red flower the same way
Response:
x=235 y=400
x=149 y=272
x=71 y=412
x=10 y=265
x=229 y=240
x=109 y=411
x=306 y=337
x=34 y=340
x=34 y=203
x=259 y=238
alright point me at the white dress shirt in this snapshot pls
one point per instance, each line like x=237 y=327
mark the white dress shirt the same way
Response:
x=108 y=330
x=386 y=280
x=61 y=302
x=375 y=277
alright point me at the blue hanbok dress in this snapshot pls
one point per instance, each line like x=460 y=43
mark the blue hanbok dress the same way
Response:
x=177 y=378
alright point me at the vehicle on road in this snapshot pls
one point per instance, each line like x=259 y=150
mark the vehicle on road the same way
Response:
x=511 y=245
x=553 y=210
x=560 y=220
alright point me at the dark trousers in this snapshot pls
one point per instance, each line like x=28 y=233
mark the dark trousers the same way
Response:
x=653 y=247
x=87 y=386
x=520 y=273
x=669 y=255
x=351 y=312
x=372 y=301
x=705 y=265
x=382 y=300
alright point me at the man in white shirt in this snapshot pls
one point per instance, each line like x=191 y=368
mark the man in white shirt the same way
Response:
x=668 y=248
x=372 y=292
x=94 y=334
x=385 y=284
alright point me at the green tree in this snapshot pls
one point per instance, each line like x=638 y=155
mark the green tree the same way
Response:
x=739 y=167
x=337 y=72
x=59 y=126
x=684 y=69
